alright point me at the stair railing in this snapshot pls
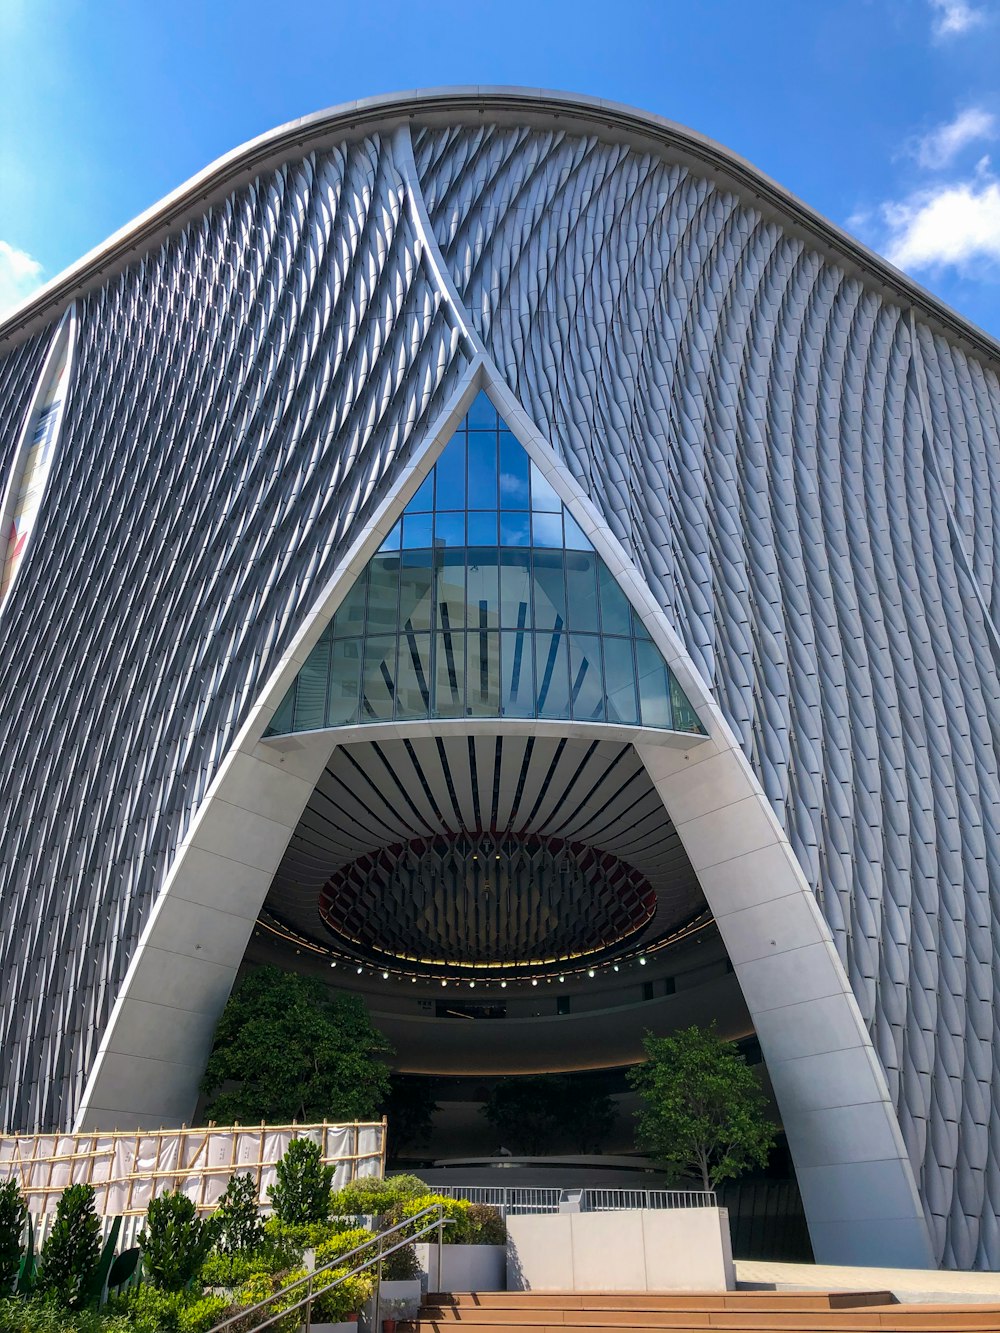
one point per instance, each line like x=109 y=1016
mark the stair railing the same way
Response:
x=312 y=1288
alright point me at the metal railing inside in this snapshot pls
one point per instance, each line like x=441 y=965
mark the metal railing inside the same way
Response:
x=515 y=1201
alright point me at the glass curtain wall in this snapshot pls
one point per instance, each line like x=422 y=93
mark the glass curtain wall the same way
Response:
x=485 y=600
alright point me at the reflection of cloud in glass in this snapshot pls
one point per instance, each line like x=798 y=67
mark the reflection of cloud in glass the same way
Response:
x=513 y=488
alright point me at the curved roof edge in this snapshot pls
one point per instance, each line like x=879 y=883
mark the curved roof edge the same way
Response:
x=370 y=114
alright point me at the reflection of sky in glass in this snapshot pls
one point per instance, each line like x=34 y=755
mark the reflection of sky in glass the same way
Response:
x=529 y=620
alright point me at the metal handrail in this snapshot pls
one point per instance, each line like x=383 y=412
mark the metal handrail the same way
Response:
x=312 y=1293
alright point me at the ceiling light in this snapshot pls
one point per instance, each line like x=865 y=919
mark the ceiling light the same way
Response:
x=360 y=970
x=385 y=975
x=562 y=979
x=616 y=967
x=534 y=981
x=472 y=985
x=590 y=972
x=444 y=983
x=333 y=964
x=642 y=962
x=503 y=985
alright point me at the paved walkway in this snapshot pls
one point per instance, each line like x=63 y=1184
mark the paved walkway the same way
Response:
x=906 y=1284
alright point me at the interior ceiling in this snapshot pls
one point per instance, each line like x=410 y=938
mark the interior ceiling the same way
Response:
x=379 y=794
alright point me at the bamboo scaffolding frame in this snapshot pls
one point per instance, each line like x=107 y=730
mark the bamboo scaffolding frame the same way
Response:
x=109 y=1161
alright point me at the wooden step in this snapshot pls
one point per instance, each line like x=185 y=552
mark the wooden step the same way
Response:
x=648 y=1300
x=694 y=1312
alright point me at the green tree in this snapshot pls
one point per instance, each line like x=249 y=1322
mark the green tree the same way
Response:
x=175 y=1242
x=287 y=1049
x=241 y=1229
x=13 y=1215
x=302 y=1184
x=703 y=1108
x=72 y=1248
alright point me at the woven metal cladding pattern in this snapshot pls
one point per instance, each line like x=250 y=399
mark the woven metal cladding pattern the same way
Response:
x=791 y=474
x=19 y=372
x=242 y=395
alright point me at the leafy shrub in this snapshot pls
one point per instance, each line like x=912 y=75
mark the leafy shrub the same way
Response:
x=487 y=1225
x=175 y=1242
x=229 y=1270
x=72 y=1248
x=460 y=1230
x=13 y=1215
x=373 y=1195
x=301 y=1192
x=342 y=1243
x=152 y=1310
x=240 y=1227
x=289 y=1240
x=344 y=1299
x=401 y=1266
x=263 y=1285
x=46 y=1316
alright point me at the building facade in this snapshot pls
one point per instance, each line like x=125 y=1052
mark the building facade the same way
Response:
x=491 y=540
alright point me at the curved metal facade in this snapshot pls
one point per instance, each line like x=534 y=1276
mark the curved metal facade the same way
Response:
x=800 y=453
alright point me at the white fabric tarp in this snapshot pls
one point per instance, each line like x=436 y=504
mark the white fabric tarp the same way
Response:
x=127 y=1170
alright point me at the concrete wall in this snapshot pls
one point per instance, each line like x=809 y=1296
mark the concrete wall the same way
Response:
x=669 y=1249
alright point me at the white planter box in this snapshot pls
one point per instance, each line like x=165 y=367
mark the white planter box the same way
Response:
x=351 y=1327
x=463 y=1267
x=656 y=1249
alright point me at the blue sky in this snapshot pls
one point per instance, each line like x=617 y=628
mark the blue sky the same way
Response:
x=882 y=114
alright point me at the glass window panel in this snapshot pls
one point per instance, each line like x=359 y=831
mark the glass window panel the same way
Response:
x=581 y=591
x=391 y=542
x=383 y=593
x=449 y=675
x=482 y=528
x=483 y=470
x=345 y=676
x=483 y=589
x=310 y=690
x=449 y=529
x=416 y=590
x=283 y=720
x=378 y=678
x=413 y=677
x=619 y=681
x=518 y=691
x=451 y=589
x=552 y=675
x=482 y=415
x=423 y=501
x=417 y=531
x=550 y=589
x=684 y=717
x=350 y=617
x=546 y=530
x=515 y=529
x=515 y=589
x=575 y=538
x=586 y=678
x=483 y=679
x=513 y=473
x=543 y=498
x=638 y=628
x=616 y=616
x=654 y=696
x=450 y=470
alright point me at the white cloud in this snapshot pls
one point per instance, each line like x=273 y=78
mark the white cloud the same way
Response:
x=942 y=145
x=950 y=224
x=20 y=275
x=955 y=16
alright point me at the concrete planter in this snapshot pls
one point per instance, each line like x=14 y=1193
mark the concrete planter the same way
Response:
x=346 y=1326
x=463 y=1267
x=668 y=1249
x=399 y=1300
